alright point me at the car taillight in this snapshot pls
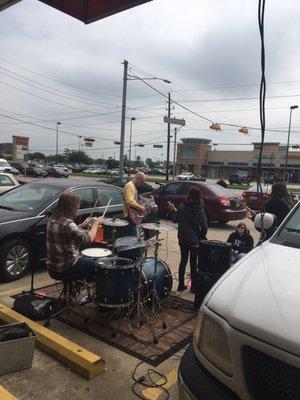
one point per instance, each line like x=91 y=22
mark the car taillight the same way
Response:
x=244 y=194
x=224 y=201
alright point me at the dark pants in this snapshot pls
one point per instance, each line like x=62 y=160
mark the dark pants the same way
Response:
x=84 y=268
x=185 y=252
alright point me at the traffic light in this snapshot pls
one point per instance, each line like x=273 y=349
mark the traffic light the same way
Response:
x=117 y=142
x=141 y=145
x=244 y=130
x=296 y=146
x=216 y=127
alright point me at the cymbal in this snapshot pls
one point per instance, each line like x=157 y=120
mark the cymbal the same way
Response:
x=158 y=227
x=115 y=222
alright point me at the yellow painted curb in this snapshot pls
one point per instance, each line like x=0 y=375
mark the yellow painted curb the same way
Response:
x=76 y=357
x=5 y=395
x=154 y=393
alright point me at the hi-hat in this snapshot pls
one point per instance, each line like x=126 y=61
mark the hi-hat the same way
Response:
x=158 y=227
x=115 y=222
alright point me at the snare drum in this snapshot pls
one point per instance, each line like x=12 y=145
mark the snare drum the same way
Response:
x=96 y=252
x=114 y=282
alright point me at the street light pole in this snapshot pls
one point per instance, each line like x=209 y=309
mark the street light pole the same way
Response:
x=123 y=117
x=130 y=139
x=174 y=155
x=57 y=123
x=168 y=138
x=288 y=142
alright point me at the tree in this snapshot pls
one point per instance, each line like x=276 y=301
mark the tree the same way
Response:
x=37 y=156
x=111 y=163
x=79 y=157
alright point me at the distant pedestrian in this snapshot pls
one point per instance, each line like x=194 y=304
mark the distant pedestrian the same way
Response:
x=241 y=242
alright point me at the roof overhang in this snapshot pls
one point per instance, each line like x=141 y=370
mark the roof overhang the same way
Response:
x=89 y=11
x=7 y=3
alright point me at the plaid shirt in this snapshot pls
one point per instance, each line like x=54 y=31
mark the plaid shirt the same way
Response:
x=62 y=238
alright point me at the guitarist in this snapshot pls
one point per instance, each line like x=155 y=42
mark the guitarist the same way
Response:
x=131 y=198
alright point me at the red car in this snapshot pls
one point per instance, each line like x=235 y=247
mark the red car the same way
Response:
x=220 y=204
x=255 y=198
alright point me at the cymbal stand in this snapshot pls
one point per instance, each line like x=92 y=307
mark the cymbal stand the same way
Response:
x=154 y=295
x=138 y=307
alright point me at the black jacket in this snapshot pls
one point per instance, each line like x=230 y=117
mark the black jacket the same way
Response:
x=279 y=208
x=192 y=224
x=242 y=244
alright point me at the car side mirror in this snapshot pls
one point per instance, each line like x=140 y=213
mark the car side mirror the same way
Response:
x=264 y=221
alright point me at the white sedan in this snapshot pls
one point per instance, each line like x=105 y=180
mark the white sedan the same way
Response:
x=185 y=176
x=7 y=182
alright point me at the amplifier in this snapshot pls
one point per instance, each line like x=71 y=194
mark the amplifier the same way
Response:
x=214 y=256
x=204 y=282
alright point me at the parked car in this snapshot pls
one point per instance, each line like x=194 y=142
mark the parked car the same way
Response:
x=156 y=171
x=220 y=204
x=17 y=165
x=36 y=172
x=239 y=179
x=24 y=212
x=14 y=170
x=185 y=176
x=7 y=182
x=246 y=342
x=146 y=188
x=57 y=172
x=255 y=198
x=4 y=165
x=198 y=178
x=271 y=179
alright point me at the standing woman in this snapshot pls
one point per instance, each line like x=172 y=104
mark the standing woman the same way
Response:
x=64 y=236
x=280 y=202
x=192 y=227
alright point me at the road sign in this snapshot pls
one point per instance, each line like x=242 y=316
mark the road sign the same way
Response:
x=174 y=121
x=158 y=146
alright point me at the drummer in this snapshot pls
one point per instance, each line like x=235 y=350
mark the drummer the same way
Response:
x=63 y=237
x=131 y=198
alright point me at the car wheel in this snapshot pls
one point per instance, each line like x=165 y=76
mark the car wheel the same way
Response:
x=15 y=259
x=222 y=222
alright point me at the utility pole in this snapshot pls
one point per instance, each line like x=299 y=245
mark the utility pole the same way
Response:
x=123 y=117
x=288 y=143
x=174 y=155
x=57 y=123
x=130 y=140
x=168 y=138
x=79 y=143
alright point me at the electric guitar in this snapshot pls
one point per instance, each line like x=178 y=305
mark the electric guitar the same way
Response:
x=137 y=216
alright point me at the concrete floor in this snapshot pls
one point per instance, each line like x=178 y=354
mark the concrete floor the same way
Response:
x=50 y=380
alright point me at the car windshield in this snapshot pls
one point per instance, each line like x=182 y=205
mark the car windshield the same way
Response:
x=4 y=164
x=29 y=197
x=289 y=234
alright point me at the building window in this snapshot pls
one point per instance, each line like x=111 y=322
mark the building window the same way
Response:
x=238 y=163
x=188 y=152
x=215 y=163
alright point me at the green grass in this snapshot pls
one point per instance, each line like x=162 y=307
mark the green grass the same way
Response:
x=241 y=187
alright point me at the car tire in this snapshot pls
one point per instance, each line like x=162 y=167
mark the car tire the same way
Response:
x=222 y=222
x=19 y=253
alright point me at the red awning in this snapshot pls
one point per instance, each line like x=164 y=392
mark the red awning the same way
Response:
x=91 y=10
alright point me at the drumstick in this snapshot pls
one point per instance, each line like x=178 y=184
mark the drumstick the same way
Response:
x=94 y=207
x=103 y=215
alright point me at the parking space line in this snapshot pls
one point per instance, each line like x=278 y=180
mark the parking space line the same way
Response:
x=154 y=393
x=5 y=395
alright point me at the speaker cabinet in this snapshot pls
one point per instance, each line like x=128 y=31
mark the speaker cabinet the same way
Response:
x=214 y=256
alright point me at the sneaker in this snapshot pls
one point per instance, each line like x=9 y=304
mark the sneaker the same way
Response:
x=181 y=288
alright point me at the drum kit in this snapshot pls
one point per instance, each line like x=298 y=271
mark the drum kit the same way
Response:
x=123 y=283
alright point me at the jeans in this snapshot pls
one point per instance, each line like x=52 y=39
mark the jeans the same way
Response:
x=84 y=268
x=187 y=251
x=236 y=257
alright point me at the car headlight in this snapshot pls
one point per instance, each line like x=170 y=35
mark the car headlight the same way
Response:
x=212 y=342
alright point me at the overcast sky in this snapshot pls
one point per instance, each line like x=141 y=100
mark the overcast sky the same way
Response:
x=55 y=68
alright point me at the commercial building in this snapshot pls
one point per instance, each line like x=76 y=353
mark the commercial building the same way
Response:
x=197 y=156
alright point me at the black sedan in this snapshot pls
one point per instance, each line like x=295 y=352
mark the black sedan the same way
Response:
x=36 y=172
x=24 y=212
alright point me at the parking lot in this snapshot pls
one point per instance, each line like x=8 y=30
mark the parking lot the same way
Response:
x=116 y=382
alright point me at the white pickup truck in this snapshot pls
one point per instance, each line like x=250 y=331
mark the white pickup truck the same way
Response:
x=246 y=341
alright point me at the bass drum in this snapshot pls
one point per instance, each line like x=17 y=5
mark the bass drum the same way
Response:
x=164 y=280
